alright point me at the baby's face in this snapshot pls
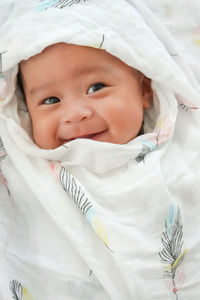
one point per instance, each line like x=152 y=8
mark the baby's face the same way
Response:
x=81 y=92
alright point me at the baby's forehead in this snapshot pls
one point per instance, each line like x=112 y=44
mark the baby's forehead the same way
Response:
x=70 y=60
x=65 y=51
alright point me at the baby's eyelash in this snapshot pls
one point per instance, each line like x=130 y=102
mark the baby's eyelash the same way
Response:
x=95 y=87
x=50 y=100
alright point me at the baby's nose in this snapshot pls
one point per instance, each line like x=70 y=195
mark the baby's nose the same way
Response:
x=76 y=111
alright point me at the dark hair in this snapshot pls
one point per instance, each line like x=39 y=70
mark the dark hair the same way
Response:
x=20 y=84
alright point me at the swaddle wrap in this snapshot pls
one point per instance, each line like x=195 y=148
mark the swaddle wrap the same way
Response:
x=95 y=220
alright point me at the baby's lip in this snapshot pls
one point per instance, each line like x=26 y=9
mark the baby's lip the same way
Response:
x=91 y=136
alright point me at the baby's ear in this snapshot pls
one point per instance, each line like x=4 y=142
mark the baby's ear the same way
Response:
x=147 y=92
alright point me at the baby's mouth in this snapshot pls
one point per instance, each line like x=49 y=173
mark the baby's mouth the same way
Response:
x=93 y=136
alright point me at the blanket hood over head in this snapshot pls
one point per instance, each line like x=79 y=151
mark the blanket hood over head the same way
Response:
x=95 y=220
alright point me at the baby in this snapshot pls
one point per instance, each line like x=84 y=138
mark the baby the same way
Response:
x=103 y=202
x=76 y=91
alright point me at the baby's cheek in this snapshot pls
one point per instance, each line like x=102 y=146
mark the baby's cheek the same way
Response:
x=38 y=135
x=44 y=133
x=39 y=128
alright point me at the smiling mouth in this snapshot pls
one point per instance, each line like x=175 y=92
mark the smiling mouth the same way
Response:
x=93 y=136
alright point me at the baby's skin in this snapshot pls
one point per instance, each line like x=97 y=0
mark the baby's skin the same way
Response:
x=76 y=91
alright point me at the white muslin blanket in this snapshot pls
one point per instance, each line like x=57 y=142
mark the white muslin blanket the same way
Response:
x=91 y=220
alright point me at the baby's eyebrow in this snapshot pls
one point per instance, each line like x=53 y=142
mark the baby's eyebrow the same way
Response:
x=42 y=87
x=94 y=68
x=77 y=72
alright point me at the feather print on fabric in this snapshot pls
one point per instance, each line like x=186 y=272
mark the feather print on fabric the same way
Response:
x=4 y=181
x=196 y=37
x=84 y=202
x=19 y=292
x=1 y=62
x=100 y=44
x=147 y=147
x=16 y=289
x=103 y=38
x=3 y=88
x=174 y=251
x=186 y=105
x=2 y=151
x=81 y=198
x=3 y=83
x=45 y=4
x=75 y=192
x=163 y=129
x=3 y=155
x=64 y=3
x=162 y=132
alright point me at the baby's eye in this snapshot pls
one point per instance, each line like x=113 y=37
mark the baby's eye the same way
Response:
x=51 y=100
x=95 y=87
